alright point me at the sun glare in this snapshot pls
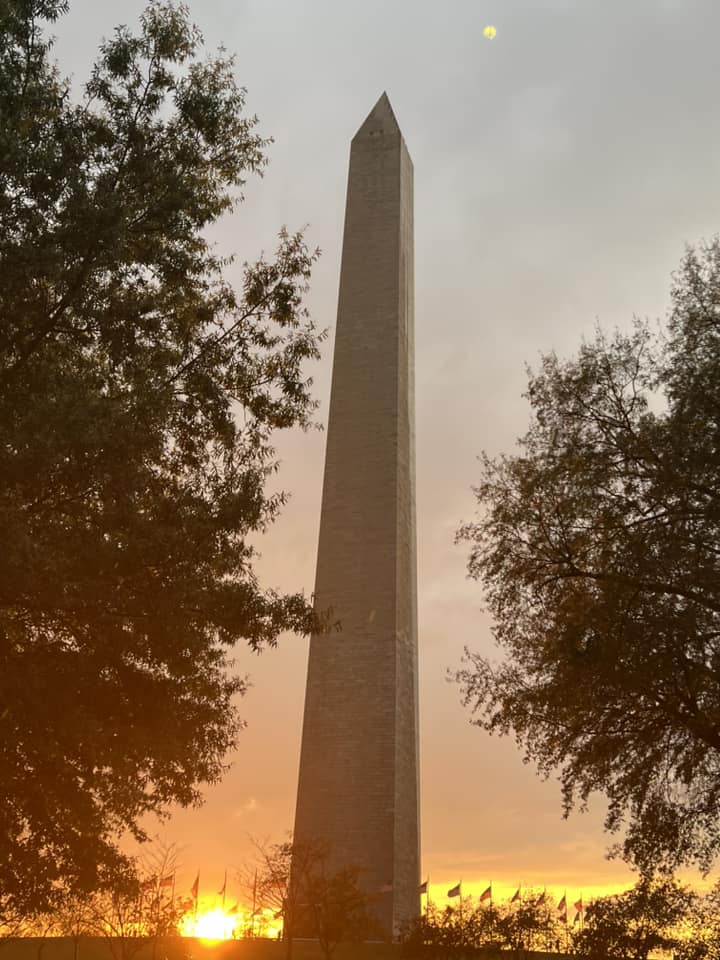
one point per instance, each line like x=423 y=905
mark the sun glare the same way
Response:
x=211 y=925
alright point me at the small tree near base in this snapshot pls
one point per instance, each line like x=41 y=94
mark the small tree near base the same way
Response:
x=342 y=911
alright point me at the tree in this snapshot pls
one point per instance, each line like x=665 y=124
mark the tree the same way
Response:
x=139 y=395
x=598 y=550
x=631 y=925
x=74 y=920
x=160 y=909
x=471 y=924
x=13 y=924
x=531 y=924
x=277 y=882
x=341 y=909
x=446 y=932
x=120 y=918
x=699 y=933
x=44 y=926
x=297 y=881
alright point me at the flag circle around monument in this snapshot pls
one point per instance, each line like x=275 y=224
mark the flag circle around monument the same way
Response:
x=489 y=32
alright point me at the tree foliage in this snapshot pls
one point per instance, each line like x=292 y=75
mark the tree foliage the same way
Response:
x=699 y=934
x=137 y=915
x=139 y=393
x=654 y=916
x=532 y=923
x=599 y=548
x=632 y=925
x=297 y=882
x=341 y=909
x=276 y=881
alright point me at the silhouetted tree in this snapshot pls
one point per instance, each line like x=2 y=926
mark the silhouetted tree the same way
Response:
x=160 y=910
x=597 y=545
x=120 y=918
x=139 y=393
x=276 y=880
x=296 y=882
x=418 y=935
x=699 y=934
x=74 y=920
x=531 y=924
x=443 y=932
x=13 y=923
x=43 y=927
x=341 y=909
x=631 y=925
x=475 y=924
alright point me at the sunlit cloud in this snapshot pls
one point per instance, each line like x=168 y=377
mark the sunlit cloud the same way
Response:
x=250 y=806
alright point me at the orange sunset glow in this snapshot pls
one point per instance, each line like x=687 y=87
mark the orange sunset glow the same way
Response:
x=212 y=922
x=502 y=892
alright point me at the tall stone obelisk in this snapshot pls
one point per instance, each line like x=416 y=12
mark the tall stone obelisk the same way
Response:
x=358 y=784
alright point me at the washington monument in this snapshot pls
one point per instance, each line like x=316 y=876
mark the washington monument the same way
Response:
x=358 y=785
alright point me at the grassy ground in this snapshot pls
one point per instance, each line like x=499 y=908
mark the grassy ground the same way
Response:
x=182 y=948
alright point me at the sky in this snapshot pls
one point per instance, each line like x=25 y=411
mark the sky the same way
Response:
x=560 y=170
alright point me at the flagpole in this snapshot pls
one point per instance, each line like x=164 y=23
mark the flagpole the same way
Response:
x=462 y=925
x=252 y=932
x=492 y=915
x=224 y=886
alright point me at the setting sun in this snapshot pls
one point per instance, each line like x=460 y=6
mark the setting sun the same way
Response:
x=211 y=925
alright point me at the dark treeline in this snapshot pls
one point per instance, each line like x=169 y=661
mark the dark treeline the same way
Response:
x=654 y=917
